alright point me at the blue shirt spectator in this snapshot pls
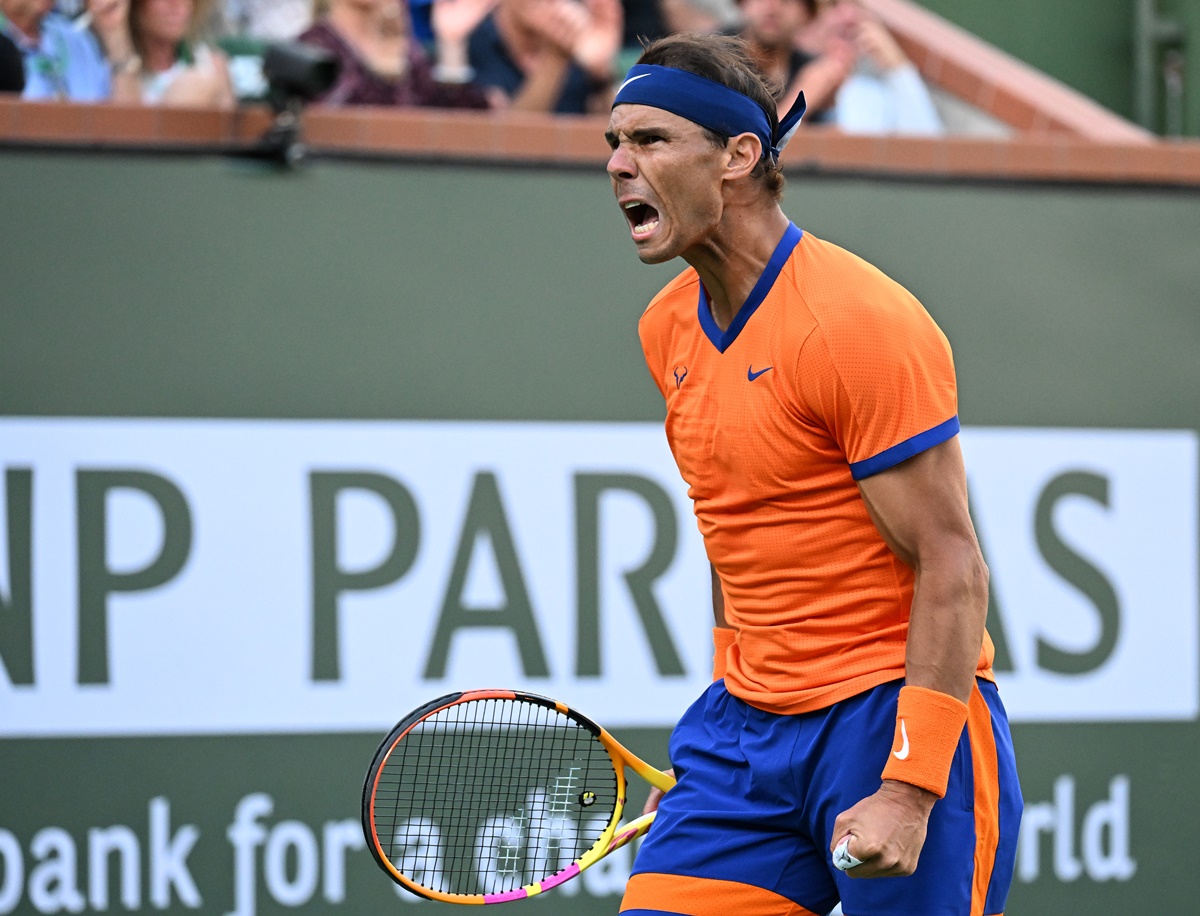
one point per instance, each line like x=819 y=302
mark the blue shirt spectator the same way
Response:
x=547 y=55
x=494 y=66
x=62 y=61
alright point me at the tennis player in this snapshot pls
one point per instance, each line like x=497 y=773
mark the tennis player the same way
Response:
x=812 y=410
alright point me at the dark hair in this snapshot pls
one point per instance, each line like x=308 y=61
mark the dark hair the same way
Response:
x=724 y=59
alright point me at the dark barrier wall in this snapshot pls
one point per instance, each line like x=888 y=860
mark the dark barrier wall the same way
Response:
x=219 y=588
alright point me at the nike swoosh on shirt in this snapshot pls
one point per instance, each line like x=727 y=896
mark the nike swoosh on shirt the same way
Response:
x=751 y=375
x=631 y=79
x=902 y=754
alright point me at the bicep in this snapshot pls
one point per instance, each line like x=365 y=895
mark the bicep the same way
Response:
x=919 y=506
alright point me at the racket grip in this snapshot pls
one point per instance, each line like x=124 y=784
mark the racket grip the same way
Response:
x=631 y=831
x=841 y=855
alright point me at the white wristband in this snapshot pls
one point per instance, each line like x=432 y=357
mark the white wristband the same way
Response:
x=455 y=75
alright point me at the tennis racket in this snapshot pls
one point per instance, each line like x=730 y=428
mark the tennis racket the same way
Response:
x=488 y=796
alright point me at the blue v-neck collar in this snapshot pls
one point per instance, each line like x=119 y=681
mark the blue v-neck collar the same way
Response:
x=722 y=339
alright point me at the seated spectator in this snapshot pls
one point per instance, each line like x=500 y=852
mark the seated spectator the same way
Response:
x=60 y=61
x=382 y=63
x=549 y=55
x=176 y=69
x=12 y=67
x=773 y=29
x=883 y=93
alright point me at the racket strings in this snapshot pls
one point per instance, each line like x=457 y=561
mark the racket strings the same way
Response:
x=489 y=795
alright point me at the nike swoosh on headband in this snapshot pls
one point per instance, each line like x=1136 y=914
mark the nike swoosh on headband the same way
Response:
x=640 y=76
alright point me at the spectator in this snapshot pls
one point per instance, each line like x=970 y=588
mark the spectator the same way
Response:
x=60 y=61
x=382 y=63
x=549 y=55
x=773 y=30
x=12 y=67
x=883 y=93
x=107 y=22
x=176 y=68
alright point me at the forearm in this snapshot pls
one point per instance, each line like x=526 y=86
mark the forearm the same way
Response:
x=946 y=622
x=819 y=79
x=117 y=46
x=543 y=85
x=452 y=56
x=126 y=87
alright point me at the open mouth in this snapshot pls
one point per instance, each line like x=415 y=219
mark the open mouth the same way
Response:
x=643 y=218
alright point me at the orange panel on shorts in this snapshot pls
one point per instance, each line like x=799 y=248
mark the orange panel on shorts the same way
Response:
x=705 y=897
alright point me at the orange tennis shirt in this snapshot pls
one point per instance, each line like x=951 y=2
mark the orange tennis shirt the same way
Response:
x=829 y=373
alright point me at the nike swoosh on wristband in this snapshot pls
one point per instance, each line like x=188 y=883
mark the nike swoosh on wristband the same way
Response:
x=902 y=754
x=751 y=375
x=631 y=79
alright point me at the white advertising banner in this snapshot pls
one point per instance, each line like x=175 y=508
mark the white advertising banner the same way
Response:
x=1091 y=538
x=228 y=576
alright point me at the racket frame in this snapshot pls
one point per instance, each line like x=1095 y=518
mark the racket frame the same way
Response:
x=613 y=837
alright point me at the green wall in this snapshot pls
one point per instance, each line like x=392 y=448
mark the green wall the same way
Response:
x=137 y=286
x=249 y=293
x=1088 y=44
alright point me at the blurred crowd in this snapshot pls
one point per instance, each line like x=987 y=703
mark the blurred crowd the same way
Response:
x=565 y=56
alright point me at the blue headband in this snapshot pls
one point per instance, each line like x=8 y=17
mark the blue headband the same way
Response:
x=708 y=104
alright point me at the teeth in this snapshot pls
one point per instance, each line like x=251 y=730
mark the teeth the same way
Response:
x=631 y=204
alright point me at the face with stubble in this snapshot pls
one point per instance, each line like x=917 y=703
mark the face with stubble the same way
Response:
x=666 y=174
x=773 y=23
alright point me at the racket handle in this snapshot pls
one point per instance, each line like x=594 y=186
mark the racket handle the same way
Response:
x=631 y=831
x=841 y=855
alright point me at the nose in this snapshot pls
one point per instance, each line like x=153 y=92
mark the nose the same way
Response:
x=621 y=164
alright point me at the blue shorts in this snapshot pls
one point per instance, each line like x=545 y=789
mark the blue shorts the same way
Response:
x=747 y=829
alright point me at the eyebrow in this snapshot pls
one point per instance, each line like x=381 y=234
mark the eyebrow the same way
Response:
x=637 y=133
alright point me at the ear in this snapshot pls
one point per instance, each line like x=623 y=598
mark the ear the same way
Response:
x=744 y=152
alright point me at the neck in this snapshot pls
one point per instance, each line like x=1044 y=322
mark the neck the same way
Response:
x=158 y=54
x=734 y=257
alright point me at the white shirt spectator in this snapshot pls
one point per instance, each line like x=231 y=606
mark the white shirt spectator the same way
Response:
x=894 y=101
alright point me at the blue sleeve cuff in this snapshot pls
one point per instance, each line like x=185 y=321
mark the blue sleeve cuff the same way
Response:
x=904 y=450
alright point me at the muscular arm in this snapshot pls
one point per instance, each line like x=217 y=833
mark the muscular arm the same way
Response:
x=920 y=509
